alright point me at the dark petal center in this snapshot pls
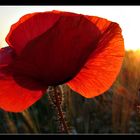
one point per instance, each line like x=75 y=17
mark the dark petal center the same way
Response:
x=57 y=55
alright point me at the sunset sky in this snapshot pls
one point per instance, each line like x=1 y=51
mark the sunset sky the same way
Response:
x=127 y=16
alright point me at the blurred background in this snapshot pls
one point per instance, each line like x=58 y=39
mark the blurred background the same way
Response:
x=115 y=111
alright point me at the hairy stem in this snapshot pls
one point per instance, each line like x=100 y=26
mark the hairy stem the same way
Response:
x=60 y=112
x=56 y=96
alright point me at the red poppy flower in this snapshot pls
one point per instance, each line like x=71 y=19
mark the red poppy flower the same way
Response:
x=52 y=48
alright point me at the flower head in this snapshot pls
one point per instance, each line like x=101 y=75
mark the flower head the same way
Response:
x=53 y=48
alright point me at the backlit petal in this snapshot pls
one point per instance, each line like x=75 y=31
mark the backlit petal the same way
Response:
x=13 y=97
x=104 y=64
x=28 y=28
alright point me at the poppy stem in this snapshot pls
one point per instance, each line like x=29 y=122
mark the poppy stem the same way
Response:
x=57 y=100
x=60 y=112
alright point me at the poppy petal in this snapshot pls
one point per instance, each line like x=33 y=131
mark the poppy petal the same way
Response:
x=13 y=97
x=6 y=56
x=104 y=64
x=101 y=23
x=57 y=55
x=28 y=28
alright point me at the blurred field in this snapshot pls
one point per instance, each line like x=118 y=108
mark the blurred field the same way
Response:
x=116 y=111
